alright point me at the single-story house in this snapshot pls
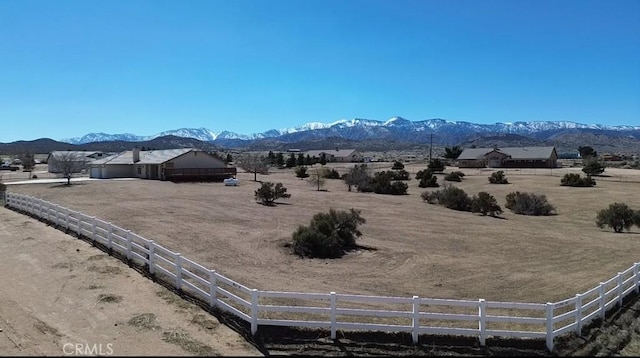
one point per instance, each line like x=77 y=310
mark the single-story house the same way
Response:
x=337 y=155
x=170 y=164
x=509 y=157
x=77 y=160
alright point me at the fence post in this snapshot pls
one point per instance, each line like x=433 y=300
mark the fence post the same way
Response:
x=213 y=288
x=415 y=319
x=550 y=326
x=152 y=258
x=578 y=314
x=254 y=311
x=482 y=323
x=128 y=244
x=109 y=238
x=619 y=289
x=603 y=301
x=93 y=228
x=79 y=224
x=636 y=280
x=332 y=303
x=68 y=212
x=46 y=205
x=178 y=259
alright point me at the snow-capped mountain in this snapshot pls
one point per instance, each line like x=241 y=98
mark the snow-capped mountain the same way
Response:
x=396 y=128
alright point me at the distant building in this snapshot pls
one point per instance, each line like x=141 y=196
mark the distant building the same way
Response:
x=170 y=164
x=337 y=155
x=83 y=159
x=509 y=157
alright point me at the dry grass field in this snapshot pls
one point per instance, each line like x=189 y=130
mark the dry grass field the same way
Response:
x=416 y=248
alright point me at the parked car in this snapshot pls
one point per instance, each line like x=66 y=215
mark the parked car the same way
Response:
x=13 y=168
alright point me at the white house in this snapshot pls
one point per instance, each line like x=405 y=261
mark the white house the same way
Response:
x=337 y=155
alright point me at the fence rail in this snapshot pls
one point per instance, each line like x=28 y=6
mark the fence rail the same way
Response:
x=334 y=311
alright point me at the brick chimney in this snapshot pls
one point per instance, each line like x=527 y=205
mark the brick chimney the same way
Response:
x=136 y=155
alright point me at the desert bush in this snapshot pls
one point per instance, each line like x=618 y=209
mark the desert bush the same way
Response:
x=450 y=197
x=529 y=204
x=385 y=183
x=617 y=216
x=429 y=182
x=423 y=173
x=329 y=235
x=436 y=165
x=397 y=165
x=270 y=192
x=400 y=174
x=592 y=167
x=301 y=172
x=359 y=176
x=485 y=204
x=573 y=179
x=332 y=174
x=498 y=178
x=454 y=176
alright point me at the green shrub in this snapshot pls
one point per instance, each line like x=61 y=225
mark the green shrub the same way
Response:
x=400 y=175
x=329 y=235
x=397 y=165
x=450 y=197
x=485 y=204
x=385 y=183
x=617 y=216
x=332 y=174
x=498 y=178
x=529 y=204
x=436 y=165
x=591 y=166
x=268 y=193
x=429 y=182
x=425 y=173
x=454 y=176
x=301 y=172
x=573 y=179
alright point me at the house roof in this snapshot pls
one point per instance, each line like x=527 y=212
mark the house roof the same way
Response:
x=513 y=152
x=331 y=152
x=79 y=153
x=146 y=156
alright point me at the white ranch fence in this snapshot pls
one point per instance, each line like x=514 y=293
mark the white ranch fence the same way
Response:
x=333 y=311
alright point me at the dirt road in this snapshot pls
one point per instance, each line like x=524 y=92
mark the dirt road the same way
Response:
x=60 y=296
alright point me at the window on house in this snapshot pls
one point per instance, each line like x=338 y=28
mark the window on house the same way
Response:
x=139 y=170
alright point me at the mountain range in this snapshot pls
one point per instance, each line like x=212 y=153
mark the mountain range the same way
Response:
x=363 y=134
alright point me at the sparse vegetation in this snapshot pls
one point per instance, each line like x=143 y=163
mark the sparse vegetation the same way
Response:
x=301 y=172
x=529 y=204
x=436 y=165
x=454 y=176
x=254 y=163
x=329 y=235
x=617 y=216
x=358 y=176
x=397 y=165
x=385 y=183
x=485 y=203
x=574 y=179
x=450 y=197
x=331 y=174
x=498 y=178
x=318 y=177
x=269 y=192
x=429 y=182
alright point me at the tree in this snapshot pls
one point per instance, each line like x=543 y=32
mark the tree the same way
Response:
x=254 y=163
x=587 y=152
x=68 y=163
x=280 y=160
x=452 y=152
x=358 y=176
x=617 y=216
x=229 y=158
x=300 y=160
x=425 y=173
x=308 y=160
x=271 y=157
x=591 y=166
x=291 y=162
x=301 y=172
x=384 y=183
x=485 y=204
x=323 y=159
x=318 y=176
x=498 y=178
x=28 y=162
x=268 y=193
x=429 y=182
x=329 y=235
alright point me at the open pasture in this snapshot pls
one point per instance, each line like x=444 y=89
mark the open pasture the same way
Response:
x=415 y=248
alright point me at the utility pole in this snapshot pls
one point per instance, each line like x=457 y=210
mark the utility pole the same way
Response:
x=430 y=148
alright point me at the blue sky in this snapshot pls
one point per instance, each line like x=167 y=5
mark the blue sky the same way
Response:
x=68 y=68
